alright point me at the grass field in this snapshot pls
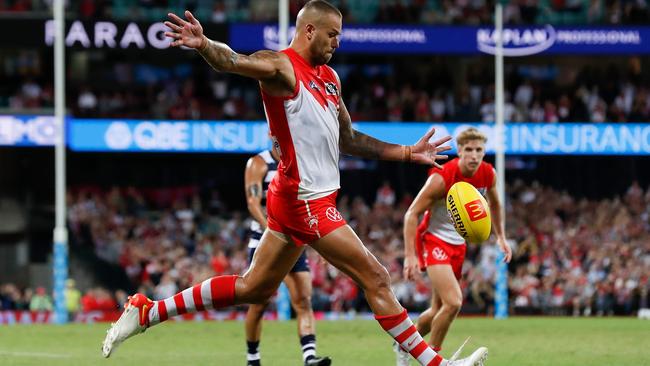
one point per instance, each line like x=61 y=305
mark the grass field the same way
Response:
x=512 y=342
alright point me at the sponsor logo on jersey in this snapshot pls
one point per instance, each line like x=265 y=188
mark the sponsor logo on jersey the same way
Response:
x=439 y=254
x=455 y=217
x=331 y=89
x=333 y=214
x=475 y=210
x=313 y=85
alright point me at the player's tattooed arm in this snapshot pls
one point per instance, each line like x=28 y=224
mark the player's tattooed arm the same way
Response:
x=353 y=142
x=262 y=65
x=266 y=66
x=219 y=55
x=254 y=190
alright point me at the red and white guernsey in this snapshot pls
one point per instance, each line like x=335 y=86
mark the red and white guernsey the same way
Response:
x=439 y=223
x=305 y=132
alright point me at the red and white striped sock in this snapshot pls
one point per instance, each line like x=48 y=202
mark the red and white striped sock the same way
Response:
x=213 y=293
x=401 y=328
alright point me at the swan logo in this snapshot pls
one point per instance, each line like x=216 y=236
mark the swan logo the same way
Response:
x=517 y=42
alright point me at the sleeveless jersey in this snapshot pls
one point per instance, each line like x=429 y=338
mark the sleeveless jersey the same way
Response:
x=305 y=132
x=439 y=223
x=271 y=169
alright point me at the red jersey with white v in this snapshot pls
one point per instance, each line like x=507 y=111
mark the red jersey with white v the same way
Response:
x=305 y=132
x=440 y=225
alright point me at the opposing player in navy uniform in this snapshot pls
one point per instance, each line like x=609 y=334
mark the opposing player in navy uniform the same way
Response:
x=260 y=170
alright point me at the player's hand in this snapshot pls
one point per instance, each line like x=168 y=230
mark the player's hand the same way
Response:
x=411 y=267
x=505 y=248
x=425 y=152
x=188 y=33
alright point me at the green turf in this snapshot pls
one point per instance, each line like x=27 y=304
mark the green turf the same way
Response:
x=512 y=342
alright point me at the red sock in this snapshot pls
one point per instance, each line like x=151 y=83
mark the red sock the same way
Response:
x=401 y=328
x=213 y=293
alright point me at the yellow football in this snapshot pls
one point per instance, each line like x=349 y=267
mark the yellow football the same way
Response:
x=469 y=212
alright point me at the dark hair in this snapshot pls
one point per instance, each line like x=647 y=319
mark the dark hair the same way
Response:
x=322 y=6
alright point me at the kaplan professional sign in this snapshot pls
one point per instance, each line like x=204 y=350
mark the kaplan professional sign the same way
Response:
x=520 y=41
x=252 y=136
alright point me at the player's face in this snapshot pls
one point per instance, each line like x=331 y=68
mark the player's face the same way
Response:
x=471 y=155
x=326 y=38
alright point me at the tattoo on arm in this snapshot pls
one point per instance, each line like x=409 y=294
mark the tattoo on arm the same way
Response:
x=219 y=56
x=355 y=143
x=255 y=190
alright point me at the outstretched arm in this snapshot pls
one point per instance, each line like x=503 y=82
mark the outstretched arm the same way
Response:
x=261 y=65
x=353 y=142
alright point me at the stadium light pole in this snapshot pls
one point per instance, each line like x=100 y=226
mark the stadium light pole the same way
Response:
x=60 y=250
x=283 y=300
x=501 y=283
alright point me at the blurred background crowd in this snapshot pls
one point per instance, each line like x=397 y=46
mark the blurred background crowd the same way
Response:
x=415 y=89
x=571 y=256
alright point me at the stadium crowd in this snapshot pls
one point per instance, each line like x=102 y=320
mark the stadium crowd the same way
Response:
x=545 y=94
x=571 y=256
x=361 y=11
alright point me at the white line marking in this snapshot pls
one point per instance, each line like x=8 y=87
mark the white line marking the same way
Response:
x=33 y=354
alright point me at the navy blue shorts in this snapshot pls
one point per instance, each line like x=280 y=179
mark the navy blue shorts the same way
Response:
x=302 y=264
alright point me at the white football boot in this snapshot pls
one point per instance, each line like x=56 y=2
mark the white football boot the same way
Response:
x=134 y=320
x=475 y=359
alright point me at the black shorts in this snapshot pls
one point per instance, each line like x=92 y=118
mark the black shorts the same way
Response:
x=302 y=264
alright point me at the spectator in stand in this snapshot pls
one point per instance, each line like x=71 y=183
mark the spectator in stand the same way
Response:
x=571 y=256
x=72 y=298
x=41 y=301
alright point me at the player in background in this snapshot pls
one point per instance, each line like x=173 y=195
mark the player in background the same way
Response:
x=260 y=170
x=310 y=126
x=435 y=245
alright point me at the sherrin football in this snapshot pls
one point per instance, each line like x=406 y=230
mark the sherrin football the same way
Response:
x=469 y=212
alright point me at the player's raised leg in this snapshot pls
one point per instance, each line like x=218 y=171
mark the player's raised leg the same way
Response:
x=343 y=249
x=300 y=290
x=256 y=286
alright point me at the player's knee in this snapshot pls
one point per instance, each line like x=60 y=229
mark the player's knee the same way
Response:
x=453 y=304
x=379 y=280
x=302 y=303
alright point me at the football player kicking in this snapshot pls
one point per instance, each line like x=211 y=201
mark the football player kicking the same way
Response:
x=310 y=126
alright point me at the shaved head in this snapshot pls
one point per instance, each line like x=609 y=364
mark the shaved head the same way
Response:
x=314 y=12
